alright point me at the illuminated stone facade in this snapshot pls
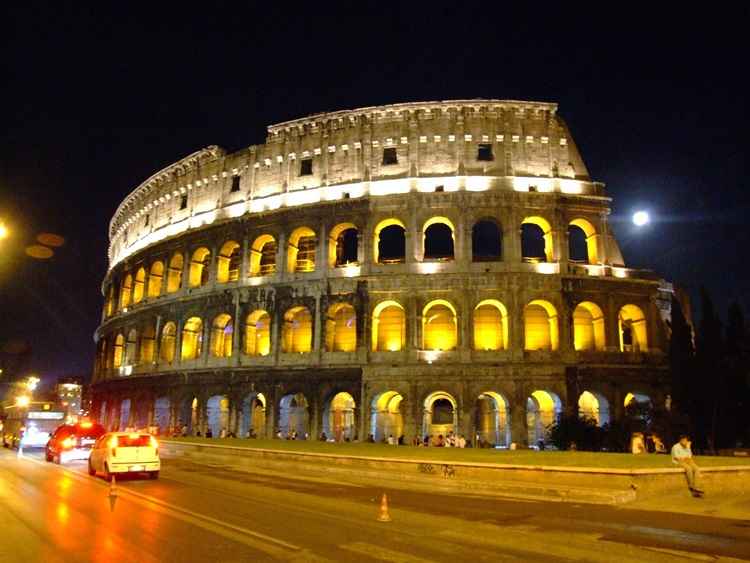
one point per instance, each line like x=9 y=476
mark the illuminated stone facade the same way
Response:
x=372 y=272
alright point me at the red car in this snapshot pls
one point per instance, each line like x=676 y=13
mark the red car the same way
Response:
x=72 y=441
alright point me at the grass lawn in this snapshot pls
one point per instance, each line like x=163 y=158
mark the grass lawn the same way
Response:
x=518 y=457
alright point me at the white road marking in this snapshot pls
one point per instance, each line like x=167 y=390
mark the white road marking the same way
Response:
x=268 y=544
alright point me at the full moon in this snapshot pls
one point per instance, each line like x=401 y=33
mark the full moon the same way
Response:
x=640 y=218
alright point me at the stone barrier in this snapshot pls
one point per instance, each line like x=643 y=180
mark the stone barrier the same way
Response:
x=571 y=484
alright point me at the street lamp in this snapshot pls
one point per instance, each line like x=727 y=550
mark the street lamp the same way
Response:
x=23 y=401
x=32 y=382
x=3 y=231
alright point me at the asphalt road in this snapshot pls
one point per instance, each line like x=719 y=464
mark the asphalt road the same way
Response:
x=51 y=513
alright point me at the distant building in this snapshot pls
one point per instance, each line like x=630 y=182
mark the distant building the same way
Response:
x=68 y=392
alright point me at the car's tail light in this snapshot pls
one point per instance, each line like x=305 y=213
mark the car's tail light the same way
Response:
x=69 y=443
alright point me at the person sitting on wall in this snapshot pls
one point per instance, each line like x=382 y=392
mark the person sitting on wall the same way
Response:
x=637 y=445
x=209 y=433
x=682 y=455
x=370 y=439
x=323 y=437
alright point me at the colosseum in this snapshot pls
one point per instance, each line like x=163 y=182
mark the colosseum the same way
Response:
x=402 y=270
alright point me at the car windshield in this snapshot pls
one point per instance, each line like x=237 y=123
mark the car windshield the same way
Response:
x=133 y=441
x=93 y=431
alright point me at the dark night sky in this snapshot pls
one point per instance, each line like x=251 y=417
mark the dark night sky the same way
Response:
x=96 y=100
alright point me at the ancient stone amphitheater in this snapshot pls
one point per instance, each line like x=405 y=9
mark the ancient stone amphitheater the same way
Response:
x=407 y=270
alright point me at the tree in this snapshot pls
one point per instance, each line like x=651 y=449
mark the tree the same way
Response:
x=681 y=359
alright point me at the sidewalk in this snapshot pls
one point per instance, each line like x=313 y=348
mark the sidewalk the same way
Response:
x=718 y=504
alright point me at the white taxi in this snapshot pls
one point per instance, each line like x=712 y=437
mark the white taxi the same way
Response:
x=125 y=452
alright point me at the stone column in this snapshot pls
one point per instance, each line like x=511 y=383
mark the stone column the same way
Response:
x=272 y=406
x=317 y=330
x=244 y=264
x=519 y=432
x=185 y=281
x=237 y=332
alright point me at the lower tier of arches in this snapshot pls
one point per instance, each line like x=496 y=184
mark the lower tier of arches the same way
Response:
x=488 y=410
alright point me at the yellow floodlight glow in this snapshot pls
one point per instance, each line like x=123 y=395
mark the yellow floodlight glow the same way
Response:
x=23 y=401
x=3 y=231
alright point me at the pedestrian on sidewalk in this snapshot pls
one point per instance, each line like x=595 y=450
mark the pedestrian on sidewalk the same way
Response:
x=682 y=455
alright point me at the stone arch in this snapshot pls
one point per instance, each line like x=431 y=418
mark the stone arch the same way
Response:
x=586 y=231
x=222 y=334
x=162 y=415
x=341 y=328
x=217 y=414
x=263 y=256
x=594 y=405
x=294 y=416
x=543 y=408
x=147 y=344
x=438 y=239
x=192 y=339
x=252 y=423
x=486 y=241
x=588 y=327
x=109 y=306
x=342 y=245
x=388 y=327
x=190 y=414
x=155 y=276
x=228 y=262
x=635 y=397
x=492 y=420
x=439 y=326
x=541 y=330
x=200 y=263
x=339 y=421
x=389 y=242
x=385 y=416
x=139 y=285
x=118 y=351
x=174 y=273
x=131 y=344
x=124 y=420
x=168 y=345
x=536 y=240
x=440 y=414
x=490 y=325
x=126 y=290
x=301 y=249
x=258 y=333
x=297 y=331
x=632 y=328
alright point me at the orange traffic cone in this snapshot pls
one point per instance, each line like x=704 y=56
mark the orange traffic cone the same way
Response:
x=384 y=516
x=112 y=493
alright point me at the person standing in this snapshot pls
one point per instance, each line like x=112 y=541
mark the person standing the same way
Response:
x=682 y=455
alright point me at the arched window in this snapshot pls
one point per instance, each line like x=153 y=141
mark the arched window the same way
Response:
x=174 y=275
x=439 y=330
x=301 y=250
x=228 y=262
x=168 y=342
x=632 y=325
x=222 y=331
x=199 y=267
x=192 y=339
x=540 y=326
x=148 y=344
x=588 y=327
x=388 y=327
x=155 y=277
x=109 y=304
x=593 y=406
x=341 y=328
x=117 y=351
x=389 y=242
x=258 y=333
x=342 y=245
x=486 y=241
x=140 y=285
x=536 y=240
x=582 y=242
x=130 y=347
x=263 y=256
x=438 y=239
x=297 y=332
x=490 y=325
x=125 y=291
